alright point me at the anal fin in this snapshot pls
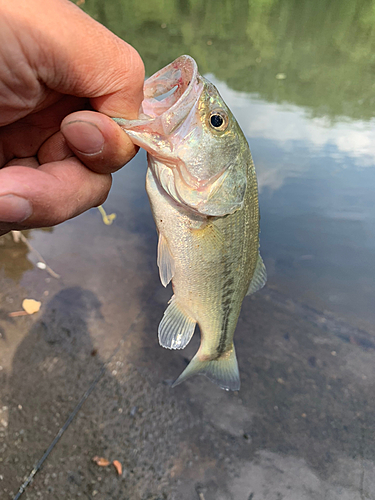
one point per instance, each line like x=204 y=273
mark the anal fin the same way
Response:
x=176 y=328
x=165 y=261
x=259 y=277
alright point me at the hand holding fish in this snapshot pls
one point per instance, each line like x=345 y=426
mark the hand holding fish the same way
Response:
x=57 y=65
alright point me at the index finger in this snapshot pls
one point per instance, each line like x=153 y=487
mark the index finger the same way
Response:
x=82 y=58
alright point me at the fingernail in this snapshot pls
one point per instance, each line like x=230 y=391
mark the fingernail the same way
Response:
x=14 y=208
x=85 y=137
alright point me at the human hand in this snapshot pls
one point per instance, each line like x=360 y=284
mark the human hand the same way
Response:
x=56 y=155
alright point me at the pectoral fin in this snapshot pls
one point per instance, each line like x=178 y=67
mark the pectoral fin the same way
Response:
x=176 y=328
x=259 y=278
x=165 y=261
x=209 y=235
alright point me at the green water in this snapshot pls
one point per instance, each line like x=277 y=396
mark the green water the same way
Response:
x=299 y=77
x=325 y=48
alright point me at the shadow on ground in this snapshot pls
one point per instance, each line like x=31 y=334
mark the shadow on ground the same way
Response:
x=300 y=428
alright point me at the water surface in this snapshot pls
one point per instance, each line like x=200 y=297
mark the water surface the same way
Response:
x=298 y=76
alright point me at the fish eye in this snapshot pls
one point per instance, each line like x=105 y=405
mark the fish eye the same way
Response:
x=218 y=120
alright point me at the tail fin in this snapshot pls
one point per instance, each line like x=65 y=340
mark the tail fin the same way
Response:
x=222 y=371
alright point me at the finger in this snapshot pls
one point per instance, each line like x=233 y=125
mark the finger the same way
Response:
x=23 y=138
x=55 y=148
x=50 y=194
x=92 y=62
x=31 y=162
x=97 y=141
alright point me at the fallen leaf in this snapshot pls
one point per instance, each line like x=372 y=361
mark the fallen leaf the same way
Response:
x=31 y=306
x=117 y=465
x=102 y=462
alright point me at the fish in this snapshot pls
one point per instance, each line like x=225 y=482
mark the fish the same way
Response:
x=202 y=187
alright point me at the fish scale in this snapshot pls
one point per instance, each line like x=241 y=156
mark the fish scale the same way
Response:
x=202 y=188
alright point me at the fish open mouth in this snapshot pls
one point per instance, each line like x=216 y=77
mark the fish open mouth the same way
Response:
x=169 y=96
x=178 y=87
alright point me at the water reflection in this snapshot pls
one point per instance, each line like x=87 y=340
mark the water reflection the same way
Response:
x=315 y=180
x=311 y=133
x=13 y=258
x=326 y=50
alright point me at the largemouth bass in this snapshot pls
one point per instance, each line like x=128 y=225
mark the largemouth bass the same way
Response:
x=202 y=187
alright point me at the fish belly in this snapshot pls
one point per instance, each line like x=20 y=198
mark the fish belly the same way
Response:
x=213 y=260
